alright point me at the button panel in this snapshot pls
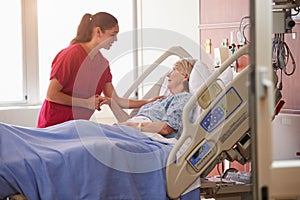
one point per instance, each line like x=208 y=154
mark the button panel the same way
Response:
x=201 y=156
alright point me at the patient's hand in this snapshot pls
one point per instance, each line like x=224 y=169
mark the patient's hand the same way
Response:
x=132 y=124
x=104 y=100
x=156 y=98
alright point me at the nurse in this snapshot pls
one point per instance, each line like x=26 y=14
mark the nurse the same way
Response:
x=80 y=74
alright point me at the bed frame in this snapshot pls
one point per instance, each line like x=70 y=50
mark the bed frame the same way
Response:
x=201 y=147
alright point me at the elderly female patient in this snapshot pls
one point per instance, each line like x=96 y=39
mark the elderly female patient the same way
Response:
x=164 y=115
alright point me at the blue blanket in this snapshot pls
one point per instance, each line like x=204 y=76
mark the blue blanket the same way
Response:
x=82 y=160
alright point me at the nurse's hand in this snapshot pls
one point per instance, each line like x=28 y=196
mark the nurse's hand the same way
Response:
x=100 y=100
x=93 y=102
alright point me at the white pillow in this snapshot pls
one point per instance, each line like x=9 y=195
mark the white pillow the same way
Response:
x=226 y=77
x=198 y=76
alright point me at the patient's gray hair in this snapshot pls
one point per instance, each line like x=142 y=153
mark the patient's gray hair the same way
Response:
x=186 y=65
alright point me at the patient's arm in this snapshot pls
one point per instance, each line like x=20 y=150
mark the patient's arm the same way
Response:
x=118 y=112
x=109 y=91
x=154 y=127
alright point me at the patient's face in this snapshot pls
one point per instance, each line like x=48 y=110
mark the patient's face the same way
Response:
x=176 y=78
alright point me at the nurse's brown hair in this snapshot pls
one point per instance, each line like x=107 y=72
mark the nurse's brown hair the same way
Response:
x=88 y=22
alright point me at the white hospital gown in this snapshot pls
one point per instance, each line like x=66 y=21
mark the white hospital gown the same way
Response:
x=169 y=110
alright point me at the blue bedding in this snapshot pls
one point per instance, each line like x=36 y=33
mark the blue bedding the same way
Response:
x=82 y=160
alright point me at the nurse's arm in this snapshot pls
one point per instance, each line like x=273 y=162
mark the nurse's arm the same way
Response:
x=55 y=94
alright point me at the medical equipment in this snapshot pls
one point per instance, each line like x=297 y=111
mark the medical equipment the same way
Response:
x=283 y=23
x=282 y=15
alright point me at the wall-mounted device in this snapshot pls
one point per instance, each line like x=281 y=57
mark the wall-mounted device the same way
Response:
x=283 y=11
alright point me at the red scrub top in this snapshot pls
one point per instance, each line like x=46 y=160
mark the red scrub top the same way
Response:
x=81 y=76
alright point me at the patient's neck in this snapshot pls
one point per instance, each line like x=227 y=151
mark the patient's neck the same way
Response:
x=180 y=88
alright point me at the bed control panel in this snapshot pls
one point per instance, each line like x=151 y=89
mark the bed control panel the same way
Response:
x=209 y=95
x=223 y=108
x=201 y=155
x=213 y=118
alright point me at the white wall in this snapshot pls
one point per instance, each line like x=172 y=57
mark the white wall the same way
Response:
x=286 y=137
x=175 y=15
x=175 y=22
x=23 y=116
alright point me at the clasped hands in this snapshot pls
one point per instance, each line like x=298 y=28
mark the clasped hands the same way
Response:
x=97 y=101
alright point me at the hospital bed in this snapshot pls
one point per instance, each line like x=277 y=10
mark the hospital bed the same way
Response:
x=67 y=155
x=221 y=131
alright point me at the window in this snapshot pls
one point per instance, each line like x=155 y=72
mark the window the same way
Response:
x=35 y=31
x=11 y=69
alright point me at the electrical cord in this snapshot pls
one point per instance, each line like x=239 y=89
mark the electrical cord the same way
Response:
x=281 y=56
x=243 y=26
